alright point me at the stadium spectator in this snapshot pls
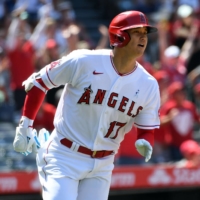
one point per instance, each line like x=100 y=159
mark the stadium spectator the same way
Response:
x=194 y=76
x=4 y=74
x=178 y=116
x=49 y=54
x=60 y=11
x=190 y=150
x=68 y=15
x=21 y=55
x=71 y=34
x=47 y=28
x=76 y=40
x=196 y=91
x=31 y=7
x=6 y=102
x=172 y=64
x=161 y=152
x=183 y=24
x=174 y=60
x=163 y=80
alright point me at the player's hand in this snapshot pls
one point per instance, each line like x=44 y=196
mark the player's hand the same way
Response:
x=144 y=148
x=35 y=145
x=43 y=136
x=34 y=142
x=24 y=140
x=38 y=140
x=28 y=84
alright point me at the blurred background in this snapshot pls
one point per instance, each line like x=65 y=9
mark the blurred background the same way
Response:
x=34 y=33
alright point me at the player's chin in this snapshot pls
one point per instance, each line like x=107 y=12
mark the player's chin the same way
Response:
x=140 y=52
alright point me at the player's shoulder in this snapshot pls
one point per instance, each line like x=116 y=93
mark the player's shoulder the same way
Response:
x=146 y=76
x=86 y=56
x=88 y=52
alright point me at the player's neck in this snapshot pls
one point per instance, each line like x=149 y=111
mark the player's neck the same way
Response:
x=122 y=63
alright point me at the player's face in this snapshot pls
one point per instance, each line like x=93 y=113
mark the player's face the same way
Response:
x=138 y=42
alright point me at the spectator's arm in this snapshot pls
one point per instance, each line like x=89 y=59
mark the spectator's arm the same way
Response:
x=188 y=46
x=103 y=42
x=12 y=34
x=71 y=34
x=165 y=119
x=38 y=31
x=162 y=39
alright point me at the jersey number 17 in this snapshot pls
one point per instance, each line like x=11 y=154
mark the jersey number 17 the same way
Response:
x=111 y=128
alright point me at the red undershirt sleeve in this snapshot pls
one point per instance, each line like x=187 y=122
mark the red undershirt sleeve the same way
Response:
x=33 y=101
x=146 y=134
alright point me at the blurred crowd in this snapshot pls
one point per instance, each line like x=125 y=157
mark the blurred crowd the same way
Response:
x=35 y=33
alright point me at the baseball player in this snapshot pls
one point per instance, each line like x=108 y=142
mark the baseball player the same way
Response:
x=106 y=92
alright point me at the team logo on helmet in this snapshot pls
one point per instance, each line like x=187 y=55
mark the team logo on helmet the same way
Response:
x=142 y=18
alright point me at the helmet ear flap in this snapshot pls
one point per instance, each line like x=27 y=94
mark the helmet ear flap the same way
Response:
x=119 y=38
x=123 y=39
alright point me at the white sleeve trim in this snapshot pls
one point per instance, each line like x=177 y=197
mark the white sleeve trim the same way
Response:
x=39 y=86
x=146 y=126
x=32 y=81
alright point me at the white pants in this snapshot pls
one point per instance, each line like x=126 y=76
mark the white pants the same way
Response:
x=68 y=175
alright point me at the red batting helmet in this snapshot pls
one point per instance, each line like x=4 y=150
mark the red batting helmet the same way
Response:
x=124 y=21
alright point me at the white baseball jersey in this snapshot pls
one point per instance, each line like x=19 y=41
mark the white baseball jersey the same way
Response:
x=98 y=105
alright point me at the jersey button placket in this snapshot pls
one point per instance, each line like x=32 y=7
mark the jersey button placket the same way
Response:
x=104 y=111
x=100 y=129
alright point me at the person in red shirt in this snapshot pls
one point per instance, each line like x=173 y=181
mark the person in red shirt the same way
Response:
x=162 y=138
x=21 y=67
x=174 y=64
x=179 y=116
x=163 y=80
x=21 y=54
x=190 y=150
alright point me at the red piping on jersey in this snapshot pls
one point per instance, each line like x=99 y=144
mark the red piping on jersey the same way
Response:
x=45 y=159
x=49 y=78
x=146 y=126
x=43 y=168
x=120 y=73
